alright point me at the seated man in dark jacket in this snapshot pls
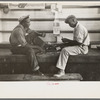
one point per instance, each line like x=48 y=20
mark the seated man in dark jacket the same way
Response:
x=26 y=41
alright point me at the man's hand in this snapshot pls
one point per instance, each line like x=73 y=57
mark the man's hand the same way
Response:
x=65 y=40
x=43 y=34
x=35 y=47
x=41 y=50
x=22 y=5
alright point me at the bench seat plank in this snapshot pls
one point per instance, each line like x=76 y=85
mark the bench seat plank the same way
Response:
x=50 y=57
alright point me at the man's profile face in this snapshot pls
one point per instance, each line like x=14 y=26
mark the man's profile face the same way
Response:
x=72 y=22
x=27 y=22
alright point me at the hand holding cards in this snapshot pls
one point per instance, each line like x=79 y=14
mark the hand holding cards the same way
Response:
x=43 y=34
x=65 y=40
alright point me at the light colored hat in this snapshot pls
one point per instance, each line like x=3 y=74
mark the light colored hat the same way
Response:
x=22 y=18
x=69 y=17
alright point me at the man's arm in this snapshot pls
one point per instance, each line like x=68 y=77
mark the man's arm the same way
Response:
x=71 y=42
x=21 y=38
x=40 y=34
x=34 y=47
x=35 y=32
x=74 y=42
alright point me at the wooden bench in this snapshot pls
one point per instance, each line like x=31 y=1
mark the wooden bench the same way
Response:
x=94 y=44
x=87 y=65
x=10 y=61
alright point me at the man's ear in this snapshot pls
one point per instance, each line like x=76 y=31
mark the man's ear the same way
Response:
x=74 y=20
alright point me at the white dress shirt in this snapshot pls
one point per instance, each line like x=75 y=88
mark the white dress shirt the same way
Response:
x=81 y=34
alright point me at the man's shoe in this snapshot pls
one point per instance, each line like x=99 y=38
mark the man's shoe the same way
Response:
x=38 y=73
x=60 y=73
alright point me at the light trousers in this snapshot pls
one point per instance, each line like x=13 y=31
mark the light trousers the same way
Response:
x=66 y=52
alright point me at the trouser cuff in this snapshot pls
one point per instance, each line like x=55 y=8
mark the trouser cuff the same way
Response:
x=36 y=68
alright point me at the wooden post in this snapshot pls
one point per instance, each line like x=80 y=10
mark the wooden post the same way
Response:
x=1 y=25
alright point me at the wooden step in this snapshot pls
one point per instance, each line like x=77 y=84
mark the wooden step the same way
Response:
x=5 y=45
x=87 y=65
x=30 y=77
x=12 y=77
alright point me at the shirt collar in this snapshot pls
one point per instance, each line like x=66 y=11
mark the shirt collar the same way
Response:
x=77 y=25
x=22 y=27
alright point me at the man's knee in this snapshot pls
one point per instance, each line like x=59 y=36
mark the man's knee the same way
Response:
x=38 y=41
x=65 y=51
x=30 y=51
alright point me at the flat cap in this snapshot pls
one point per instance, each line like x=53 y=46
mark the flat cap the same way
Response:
x=69 y=17
x=22 y=18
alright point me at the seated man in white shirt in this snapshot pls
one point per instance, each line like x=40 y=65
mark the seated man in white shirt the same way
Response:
x=79 y=44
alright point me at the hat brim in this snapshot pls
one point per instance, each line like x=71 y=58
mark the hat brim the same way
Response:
x=23 y=18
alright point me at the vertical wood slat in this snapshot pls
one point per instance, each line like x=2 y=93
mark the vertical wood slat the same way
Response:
x=0 y=28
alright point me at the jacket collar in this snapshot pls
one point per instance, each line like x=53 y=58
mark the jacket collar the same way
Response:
x=23 y=27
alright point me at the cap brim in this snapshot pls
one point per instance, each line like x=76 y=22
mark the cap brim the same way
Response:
x=24 y=17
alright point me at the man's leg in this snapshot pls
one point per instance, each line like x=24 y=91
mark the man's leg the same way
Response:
x=38 y=41
x=29 y=52
x=33 y=39
x=32 y=59
x=63 y=58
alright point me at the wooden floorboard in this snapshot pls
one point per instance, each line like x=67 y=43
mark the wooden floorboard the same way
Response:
x=12 y=77
x=32 y=77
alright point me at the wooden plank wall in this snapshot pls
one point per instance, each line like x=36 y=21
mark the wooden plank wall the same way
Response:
x=42 y=21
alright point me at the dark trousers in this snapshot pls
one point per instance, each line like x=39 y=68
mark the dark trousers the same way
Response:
x=30 y=53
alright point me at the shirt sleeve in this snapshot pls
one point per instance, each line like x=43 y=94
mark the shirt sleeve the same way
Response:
x=20 y=36
x=33 y=32
x=79 y=35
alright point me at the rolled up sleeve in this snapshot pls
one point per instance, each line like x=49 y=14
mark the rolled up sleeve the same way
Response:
x=34 y=32
x=20 y=37
x=79 y=36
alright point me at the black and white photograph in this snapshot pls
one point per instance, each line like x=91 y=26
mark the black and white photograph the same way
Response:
x=49 y=41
